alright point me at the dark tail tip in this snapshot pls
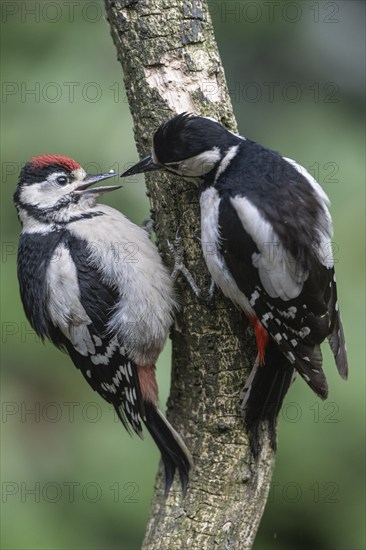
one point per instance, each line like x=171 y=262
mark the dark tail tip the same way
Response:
x=264 y=392
x=338 y=347
x=174 y=453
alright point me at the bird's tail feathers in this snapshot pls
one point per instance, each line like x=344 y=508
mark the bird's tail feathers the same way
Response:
x=309 y=364
x=174 y=452
x=336 y=335
x=338 y=346
x=263 y=395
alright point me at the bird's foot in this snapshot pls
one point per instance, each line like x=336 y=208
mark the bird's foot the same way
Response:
x=177 y=252
x=148 y=225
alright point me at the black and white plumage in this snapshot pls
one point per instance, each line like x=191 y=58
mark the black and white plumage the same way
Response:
x=93 y=283
x=266 y=238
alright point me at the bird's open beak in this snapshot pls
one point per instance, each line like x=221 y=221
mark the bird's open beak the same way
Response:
x=90 y=179
x=145 y=165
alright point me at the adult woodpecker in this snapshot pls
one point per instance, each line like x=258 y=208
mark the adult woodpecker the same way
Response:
x=93 y=283
x=266 y=238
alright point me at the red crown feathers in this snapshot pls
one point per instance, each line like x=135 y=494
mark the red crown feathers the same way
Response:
x=65 y=162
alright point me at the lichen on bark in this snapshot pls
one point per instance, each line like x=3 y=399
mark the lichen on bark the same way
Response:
x=171 y=64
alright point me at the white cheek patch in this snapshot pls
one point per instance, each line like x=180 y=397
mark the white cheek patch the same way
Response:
x=201 y=164
x=43 y=195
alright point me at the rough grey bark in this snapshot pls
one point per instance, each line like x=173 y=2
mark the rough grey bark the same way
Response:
x=171 y=64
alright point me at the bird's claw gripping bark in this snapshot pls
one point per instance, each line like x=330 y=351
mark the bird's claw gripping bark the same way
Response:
x=148 y=225
x=177 y=252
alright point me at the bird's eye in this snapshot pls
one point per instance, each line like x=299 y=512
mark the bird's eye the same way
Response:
x=62 y=180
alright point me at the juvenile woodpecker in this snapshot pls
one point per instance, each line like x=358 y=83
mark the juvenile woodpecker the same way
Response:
x=93 y=283
x=266 y=237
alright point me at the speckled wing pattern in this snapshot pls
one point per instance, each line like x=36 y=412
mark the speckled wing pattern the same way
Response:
x=105 y=365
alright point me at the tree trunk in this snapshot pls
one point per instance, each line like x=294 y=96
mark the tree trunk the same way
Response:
x=171 y=64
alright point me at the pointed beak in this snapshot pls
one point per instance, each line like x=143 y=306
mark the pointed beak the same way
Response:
x=90 y=179
x=145 y=165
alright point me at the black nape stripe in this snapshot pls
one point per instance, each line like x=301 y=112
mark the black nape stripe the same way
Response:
x=44 y=214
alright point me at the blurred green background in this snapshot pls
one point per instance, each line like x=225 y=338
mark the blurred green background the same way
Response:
x=71 y=477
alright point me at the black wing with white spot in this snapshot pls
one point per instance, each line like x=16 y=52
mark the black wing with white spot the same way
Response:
x=103 y=361
x=113 y=375
x=297 y=325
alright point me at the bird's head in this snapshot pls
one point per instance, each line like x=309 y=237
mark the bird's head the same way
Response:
x=54 y=189
x=187 y=145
